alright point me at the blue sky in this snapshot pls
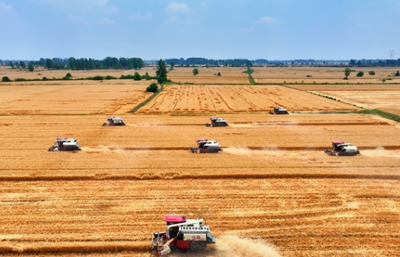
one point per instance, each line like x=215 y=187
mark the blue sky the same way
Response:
x=217 y=29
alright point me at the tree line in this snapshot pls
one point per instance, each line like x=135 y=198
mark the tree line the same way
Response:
x=199 y=61
x=83 y=63
x=374 y=63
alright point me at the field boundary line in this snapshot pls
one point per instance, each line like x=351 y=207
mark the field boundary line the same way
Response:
x=168 y=176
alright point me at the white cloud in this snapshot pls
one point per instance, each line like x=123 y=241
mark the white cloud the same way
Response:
x=177 y=7
x=266 y=20
x=138 y=16
x=5 y=7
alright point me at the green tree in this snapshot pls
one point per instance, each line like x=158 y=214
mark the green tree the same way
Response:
x=360 y=74
x=68 y=75
x=137 y=76
x=397 y=74
x=5 y=79
x=12 y=65
x=347 y=72
x=49 y=63
x=30 y=67
x=152 y=88
x=371 y=72
x=22 y=64
x=195 y=71
x=172 y=65
x=161 y=71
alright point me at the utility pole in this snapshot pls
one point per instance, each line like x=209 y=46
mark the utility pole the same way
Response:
x=391 y=54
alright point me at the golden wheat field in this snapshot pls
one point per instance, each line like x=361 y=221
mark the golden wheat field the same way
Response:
x=272 y=191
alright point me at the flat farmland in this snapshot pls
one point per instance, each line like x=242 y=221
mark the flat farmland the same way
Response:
x=272 y=189
x=61 y=97
x=209 y=75
x=332 y=75
x=223 y=99
x=383 y=97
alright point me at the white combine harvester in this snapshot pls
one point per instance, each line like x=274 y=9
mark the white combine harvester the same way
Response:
x=114 y=121
x=217 y=122
x=206 y=146
x=340 y=148
x=181 y=233
x=278 y=110
x=65 y=144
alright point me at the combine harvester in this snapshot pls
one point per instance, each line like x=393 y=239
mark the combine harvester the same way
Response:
x=340 y=148
x=278 y=110
x=114 y=121
x=183 y=234
x=206 y=146
x=217 y=122
x=65 y=144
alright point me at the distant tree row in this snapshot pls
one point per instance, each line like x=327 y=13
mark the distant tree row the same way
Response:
x=90 y=64
x=374 y=63
x=198 y=61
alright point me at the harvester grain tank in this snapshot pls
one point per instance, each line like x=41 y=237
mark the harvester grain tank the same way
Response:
x=114 y=121
x=181 y=233
x=340 y=148
x=206 y=146
x=65 y=144
x=278 y=110
x=217 y=122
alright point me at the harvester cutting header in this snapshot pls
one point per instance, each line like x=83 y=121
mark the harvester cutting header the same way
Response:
x=181 y=233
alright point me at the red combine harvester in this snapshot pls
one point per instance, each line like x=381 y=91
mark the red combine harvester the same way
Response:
x=65 y=144
x=181 y=233
x=206 y=146
x=114 y=121
x=340 y=148
x=217 y=122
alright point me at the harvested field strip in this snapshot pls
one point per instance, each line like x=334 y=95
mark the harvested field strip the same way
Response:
x=281 y=148
x=177 y=176
x=312 y=124
x=272 y=124
x=75 y=247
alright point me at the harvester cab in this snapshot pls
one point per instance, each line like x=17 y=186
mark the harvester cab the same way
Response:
x=114 y=121
x=206 y=146
x=340 y=148
x=181 y=233
x=217 y=122
x=278 y=110
x=65 y=144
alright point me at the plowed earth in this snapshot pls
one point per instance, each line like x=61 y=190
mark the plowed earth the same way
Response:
x=272 y=182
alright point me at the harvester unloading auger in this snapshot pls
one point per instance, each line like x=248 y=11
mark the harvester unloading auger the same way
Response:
x=183 y=234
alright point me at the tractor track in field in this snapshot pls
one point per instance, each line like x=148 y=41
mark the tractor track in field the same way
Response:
x=76 y=247
x=258 y=148
x=177 y=176
x=263 y=123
